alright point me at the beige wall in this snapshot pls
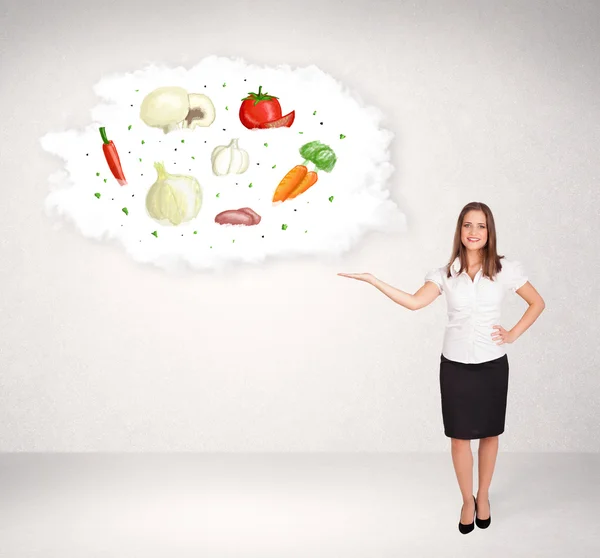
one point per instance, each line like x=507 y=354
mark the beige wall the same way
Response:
x=490 y=101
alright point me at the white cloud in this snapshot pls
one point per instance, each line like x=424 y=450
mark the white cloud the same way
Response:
x=314 y=224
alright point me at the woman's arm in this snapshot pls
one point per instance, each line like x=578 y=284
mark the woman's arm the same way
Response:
x=536 y=306
x=423 y=297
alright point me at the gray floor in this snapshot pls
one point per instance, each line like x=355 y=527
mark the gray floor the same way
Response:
x=291 y=505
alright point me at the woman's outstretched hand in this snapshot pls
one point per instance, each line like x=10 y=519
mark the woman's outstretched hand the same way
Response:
x=367 y=277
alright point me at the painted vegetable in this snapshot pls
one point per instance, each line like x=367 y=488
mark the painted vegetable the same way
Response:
x=170 y=108
x=112 y=158
x=259 y=109
x=257 y=218
x=173 y=198
x=286 y=120
x=165 y=108
x=229 y=159
x=202 y=112
x=244 y=216
x=300 y=179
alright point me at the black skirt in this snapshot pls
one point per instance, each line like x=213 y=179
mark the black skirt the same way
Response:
x=473 y=397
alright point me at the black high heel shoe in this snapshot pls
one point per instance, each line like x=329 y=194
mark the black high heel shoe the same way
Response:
x=466 y=528
x=483 y=523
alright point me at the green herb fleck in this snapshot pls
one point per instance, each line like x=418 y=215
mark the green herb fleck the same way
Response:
x=105 y=180
x=136 y=90
x=143 y=142
x=97 y=174
x=233 y=240
x=342 y=136
x=273 y=166
x=195 y=232
x=283 y=227
x=125 y=210
x=155 y=234
x=224 y=84
x=182 y=141
x=250 y=185
x=211 y=247
x=218 y=194
x=330 y=198
x=226 y=108
x=193 y=157
x=266 y=145
x=97 y=194
x=140 y=160
x=300 y=132
x=129 y=127
x=314 y=112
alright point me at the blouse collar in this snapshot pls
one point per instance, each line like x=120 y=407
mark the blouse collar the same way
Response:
x=455 y=267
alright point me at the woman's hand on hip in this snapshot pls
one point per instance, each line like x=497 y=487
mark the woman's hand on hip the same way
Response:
x=503 y=336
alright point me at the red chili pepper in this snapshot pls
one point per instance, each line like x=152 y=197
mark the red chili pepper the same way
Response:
x=112 y=158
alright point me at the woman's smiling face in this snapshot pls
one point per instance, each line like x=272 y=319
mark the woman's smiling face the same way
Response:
x=474 y=227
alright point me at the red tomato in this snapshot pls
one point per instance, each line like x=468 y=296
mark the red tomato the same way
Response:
x=286 y=120
x=259 y=108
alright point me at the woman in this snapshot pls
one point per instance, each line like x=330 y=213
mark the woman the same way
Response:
x=473 y=363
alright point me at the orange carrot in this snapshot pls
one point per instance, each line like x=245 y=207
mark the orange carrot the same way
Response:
x=310 y=178
x=290 y=182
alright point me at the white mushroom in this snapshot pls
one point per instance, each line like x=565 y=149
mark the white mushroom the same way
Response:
x=202 y=112
x=165 y=108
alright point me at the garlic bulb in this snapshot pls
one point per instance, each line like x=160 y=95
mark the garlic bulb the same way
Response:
x=173 y=198
x=229 y=159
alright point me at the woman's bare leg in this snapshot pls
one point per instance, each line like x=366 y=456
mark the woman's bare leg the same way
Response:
x=462 y=458
x=488 y=450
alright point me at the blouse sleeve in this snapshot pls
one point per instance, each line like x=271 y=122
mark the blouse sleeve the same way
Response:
x=517 y=276
x=435 y=276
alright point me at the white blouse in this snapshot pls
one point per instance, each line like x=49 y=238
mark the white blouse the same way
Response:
x=474 y=307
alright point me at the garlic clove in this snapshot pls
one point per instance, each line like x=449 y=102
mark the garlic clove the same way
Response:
x=229 y=159
x=241 y=157
x=220 y=160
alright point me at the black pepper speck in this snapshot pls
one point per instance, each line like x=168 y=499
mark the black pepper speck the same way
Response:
x=321 y=123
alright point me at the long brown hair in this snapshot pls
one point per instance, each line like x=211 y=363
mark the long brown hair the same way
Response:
x=490 y=264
